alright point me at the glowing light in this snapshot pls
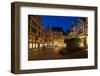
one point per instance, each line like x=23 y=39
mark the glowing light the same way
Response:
x=36 y=45
x=81 y=44
x=30 y=45
x=33 y=45
x=41 y=45
x=45 y=44
x=64 y=45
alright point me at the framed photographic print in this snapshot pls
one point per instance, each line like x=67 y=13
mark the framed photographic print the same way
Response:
x=52 y=37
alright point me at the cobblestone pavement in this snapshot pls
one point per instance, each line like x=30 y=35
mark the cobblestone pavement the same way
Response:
x=53 y=53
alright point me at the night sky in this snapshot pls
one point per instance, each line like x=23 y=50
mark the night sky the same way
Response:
x=66 y=22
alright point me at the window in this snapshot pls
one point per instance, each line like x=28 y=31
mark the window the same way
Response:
x=36 y=45
x=33 y=45
x=30 y=45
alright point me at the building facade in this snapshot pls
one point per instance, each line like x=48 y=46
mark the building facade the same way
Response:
x=83 y=31
x=39 y=38
x=80 y=30
x=35 y=32
x=48 y=37
x=54 y=37
x=58 y=36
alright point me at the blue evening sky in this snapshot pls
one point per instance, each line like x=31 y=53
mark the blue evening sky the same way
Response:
x=66 y=22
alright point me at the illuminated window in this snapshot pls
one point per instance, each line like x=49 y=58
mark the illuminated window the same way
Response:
x=30 y=45
x=41 y=45
x=36 y=45
x=33 y=45
x=45 y=44
x=64 y=45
